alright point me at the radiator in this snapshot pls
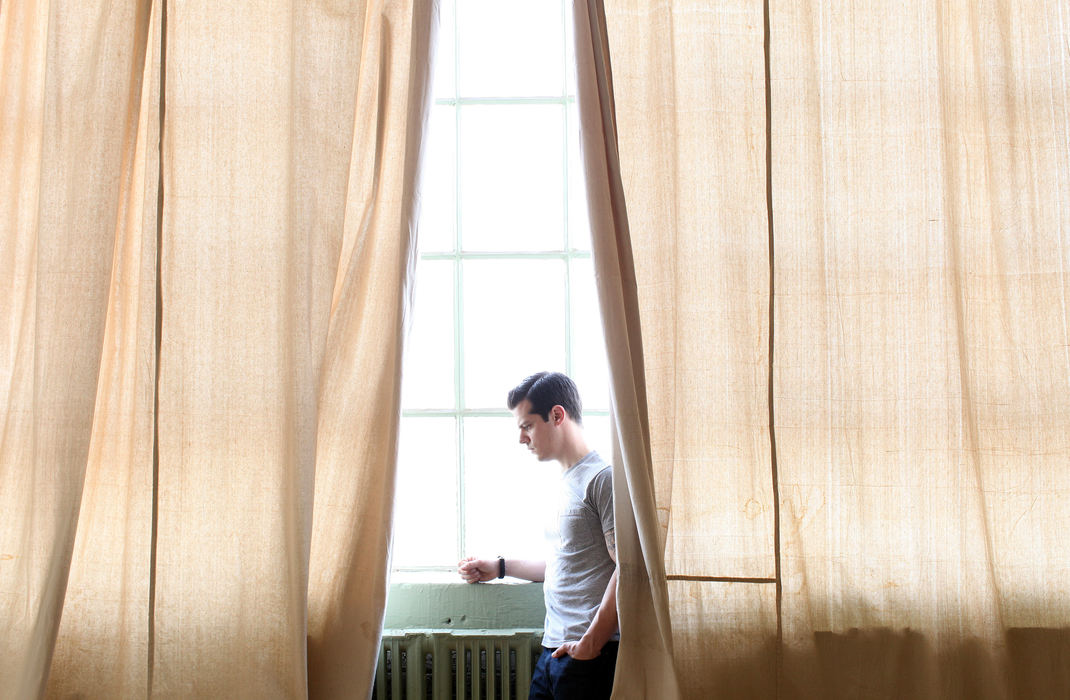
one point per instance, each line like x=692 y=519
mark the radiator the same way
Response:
x=456 y=664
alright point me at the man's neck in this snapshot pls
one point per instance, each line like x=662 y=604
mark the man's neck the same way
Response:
x=575 y=452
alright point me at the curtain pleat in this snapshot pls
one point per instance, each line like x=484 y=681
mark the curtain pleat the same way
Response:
x=71 y=81
x=690 y=107
x=103 y=638
x=644 y=663
x=347 y=590
x=201 y=361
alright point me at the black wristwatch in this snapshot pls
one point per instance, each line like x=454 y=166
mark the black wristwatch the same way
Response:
x=501 y=567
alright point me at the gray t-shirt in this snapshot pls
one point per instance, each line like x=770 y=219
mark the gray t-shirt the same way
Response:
x=580 y=568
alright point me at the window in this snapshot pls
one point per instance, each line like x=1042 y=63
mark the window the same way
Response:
x=504 y=284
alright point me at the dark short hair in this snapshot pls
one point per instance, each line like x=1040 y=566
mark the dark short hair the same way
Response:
x=545 y=390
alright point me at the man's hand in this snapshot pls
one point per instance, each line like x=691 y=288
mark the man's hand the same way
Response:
x=474 y=570
x=602 y=627
x=581 y=650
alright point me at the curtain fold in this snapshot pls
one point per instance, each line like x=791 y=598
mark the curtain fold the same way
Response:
x=347 y=591
x=72 y=75
x=644 y=663
x=690 y=106
x=201 y=360
x=108 y=582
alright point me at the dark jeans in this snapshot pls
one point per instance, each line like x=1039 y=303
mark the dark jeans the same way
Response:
x=567 y=679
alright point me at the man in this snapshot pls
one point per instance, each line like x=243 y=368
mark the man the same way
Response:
x=580 y=579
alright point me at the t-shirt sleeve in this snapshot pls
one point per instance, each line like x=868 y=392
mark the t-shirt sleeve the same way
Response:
x=600 y=497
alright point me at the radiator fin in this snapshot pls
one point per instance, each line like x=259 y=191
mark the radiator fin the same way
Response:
x=456 y=664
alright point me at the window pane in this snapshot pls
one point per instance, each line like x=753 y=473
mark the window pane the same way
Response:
x=512 y=179
x=590 y=368
x=514 y=325
x=516 y=167
x=445 y=48
x=508 y=493
x=596 y=431
x=425 y=517
x=427 y=375
x=570 y=51
x=579 y=225
x=438 y=190
x=510 y=48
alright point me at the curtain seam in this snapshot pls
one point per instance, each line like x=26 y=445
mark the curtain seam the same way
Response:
x=719 y=579
x=154 y=524
x=778 y=576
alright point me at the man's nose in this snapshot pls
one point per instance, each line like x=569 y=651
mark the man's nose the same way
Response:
x=524 y=438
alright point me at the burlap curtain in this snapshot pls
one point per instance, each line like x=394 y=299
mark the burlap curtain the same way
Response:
x=644 y=663
x=201 y=342
x=836 y=307
x=849 y=225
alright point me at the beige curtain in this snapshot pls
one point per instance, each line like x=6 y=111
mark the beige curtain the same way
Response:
x=644 y=662
x=849 y=225
x=207 y=216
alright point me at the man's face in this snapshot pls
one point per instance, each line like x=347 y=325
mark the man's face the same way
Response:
x=536 y=434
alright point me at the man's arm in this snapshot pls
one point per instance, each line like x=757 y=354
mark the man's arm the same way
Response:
x=605 y=620
x=475 y=570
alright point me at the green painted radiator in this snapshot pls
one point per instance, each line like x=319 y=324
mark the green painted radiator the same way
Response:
x=456 y=664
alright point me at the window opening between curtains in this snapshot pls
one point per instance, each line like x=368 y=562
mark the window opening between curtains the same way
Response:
x=504 y=283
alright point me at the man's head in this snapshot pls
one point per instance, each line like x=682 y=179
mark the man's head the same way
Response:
x=545 y=390
x=547 y=410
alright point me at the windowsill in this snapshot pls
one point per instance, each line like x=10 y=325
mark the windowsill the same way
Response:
x=441 y=600
x=446 y=578
x=437 y=577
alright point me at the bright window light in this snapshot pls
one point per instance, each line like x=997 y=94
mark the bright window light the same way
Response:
x=504 y=285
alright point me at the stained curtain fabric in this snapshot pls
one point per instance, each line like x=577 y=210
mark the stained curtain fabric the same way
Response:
x=205 y=245
x=846 y=232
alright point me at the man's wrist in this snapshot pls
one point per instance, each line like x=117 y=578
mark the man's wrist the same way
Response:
x=591 y=642
x=597 y=636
